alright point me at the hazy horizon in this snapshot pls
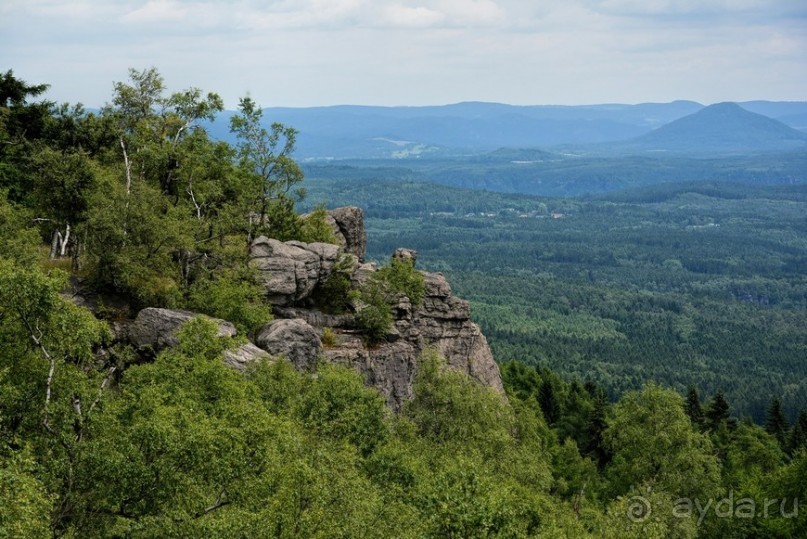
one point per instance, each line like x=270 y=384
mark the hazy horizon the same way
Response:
x=308 y=53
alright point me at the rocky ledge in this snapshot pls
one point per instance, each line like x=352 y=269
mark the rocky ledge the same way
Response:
x=292 y=272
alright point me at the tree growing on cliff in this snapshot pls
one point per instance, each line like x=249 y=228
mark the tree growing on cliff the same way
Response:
x=269 y=173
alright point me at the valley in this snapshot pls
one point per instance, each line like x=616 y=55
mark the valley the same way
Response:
x=687 y=284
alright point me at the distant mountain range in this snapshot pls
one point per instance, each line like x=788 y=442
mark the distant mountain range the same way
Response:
x=474 y=128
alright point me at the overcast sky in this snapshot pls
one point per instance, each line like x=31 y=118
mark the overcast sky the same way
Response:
x=415 y=52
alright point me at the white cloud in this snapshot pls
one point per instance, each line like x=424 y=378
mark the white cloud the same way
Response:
x=414 y=17
x=157 y=11
x=696 y=7
x=307 y=52
x=472 y=12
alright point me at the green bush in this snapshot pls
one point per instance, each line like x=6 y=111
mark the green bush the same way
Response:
x=333 y=296
x=315 y=227
x=329 y=338
x=374 y=313
x=401 y=277
x=234 y=296
x=380 y=293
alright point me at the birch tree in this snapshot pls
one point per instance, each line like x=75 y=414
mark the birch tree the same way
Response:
x=270 y=172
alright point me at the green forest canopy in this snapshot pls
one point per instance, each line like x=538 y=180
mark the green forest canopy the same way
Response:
x=95 y=442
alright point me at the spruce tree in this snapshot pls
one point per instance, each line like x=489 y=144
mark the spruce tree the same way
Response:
x=693 y=407
x=718 y=412
x=798 y=434
x=597 y=424
x=776 y=424
x=549 y=402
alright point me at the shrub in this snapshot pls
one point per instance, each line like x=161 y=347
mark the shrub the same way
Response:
x=374 y=313
x=315 y=227
x=333 y=296
x=401 y=277
x=233 y=296
x=377 y=296
x=329 y=338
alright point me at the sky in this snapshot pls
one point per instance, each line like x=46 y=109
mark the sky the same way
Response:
x=301 y=53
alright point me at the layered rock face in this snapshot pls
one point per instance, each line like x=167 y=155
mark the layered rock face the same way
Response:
x=442 y=322
x=292 y=272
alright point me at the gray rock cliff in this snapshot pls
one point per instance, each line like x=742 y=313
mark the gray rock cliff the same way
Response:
x=441 y=322
x=292 y=271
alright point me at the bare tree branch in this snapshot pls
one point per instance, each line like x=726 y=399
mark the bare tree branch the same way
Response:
x=128 y=166
x=220 y=502
x=104 y=382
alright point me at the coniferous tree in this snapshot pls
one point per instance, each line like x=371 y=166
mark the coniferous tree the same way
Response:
x=718 y=412
x=596 y=426
x=693 y=407
x=549 y=402
x=776 y=424
x=798 y=434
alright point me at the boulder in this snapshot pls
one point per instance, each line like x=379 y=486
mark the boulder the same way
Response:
x=239 y=358
x=405 y=255
x=327 y=252
x=157 y=328
x=317 y=318
x=291 y=270
x=293 y=339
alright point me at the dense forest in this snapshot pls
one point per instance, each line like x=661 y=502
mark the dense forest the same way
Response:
x=685 y=284
x=136 y=206
x=574 y=172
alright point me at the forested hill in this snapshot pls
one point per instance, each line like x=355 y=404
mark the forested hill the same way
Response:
x=724 y=127
x=136 y=208
x=349 y=132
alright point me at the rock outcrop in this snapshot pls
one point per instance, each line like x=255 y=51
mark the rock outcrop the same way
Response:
x=348 y=226
x=240 y=358
x=293 y=339
x=292 y=271
x=157 y=328
x=441 y=322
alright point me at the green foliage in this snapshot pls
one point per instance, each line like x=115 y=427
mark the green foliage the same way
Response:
x=338 y=405
x=777 y=423
x=402 y=278
x=798 y=434
x=329 y=338
x=333 y=296
x=136 y=255
x=693 y=407
x=448 y=407
x=24 y=500
x=22 y=124
x=379 y=294
x=646 y=512
x=17 y=240
x=269 y=172
x=315 y=227
x=234 y=296
x=718 y=412
x=654 y=443
x=374 y=312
